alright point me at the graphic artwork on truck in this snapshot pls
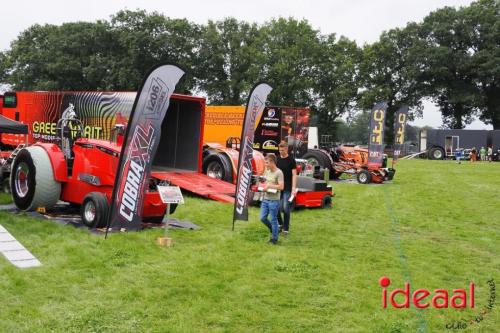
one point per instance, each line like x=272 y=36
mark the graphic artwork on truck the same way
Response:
x=99 y=112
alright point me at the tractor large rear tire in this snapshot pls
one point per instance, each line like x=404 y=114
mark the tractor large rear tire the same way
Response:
x=218 y=165
x=316 y=157
x=32 y=180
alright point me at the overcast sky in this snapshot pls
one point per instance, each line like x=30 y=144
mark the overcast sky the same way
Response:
x=361 y=20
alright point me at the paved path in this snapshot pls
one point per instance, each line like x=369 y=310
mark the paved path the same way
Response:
x=15 y=252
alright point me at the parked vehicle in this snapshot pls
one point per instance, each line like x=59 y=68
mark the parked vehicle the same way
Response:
x=77 y=170
x=103 y=114
x=350 y=159
x=222 y=131
x=442 y=143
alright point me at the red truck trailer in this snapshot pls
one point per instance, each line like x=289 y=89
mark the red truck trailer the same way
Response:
x=104 y=114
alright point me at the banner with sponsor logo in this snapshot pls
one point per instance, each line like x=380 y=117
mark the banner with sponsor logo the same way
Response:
x=255 y=107
x=399 y=131
x=376 y=138
x=139 y=147
x=267 y=134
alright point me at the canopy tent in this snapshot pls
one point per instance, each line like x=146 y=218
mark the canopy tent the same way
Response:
x=10 y=126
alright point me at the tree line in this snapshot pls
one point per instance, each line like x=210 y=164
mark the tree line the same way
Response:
x=452 y=57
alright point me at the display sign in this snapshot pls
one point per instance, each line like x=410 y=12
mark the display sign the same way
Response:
x=399 y=131
x=267 y=135
x=140 y=143
x=170 y=194
x=255 y=107
x=10 y=100
x=376 y=139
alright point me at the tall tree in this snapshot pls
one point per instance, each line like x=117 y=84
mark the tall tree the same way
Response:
x=447 y=66
x=289 y=49
x=336 y=80
x=390 y=72
x=483 y=21
x=146 y=39
x=3 y=71
x=229 y=60
x=53 y=57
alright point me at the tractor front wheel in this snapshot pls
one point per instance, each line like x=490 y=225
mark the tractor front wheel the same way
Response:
x=364 y=177
x=94 y=210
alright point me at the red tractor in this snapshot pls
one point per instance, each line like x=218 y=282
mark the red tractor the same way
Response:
x=76 y=170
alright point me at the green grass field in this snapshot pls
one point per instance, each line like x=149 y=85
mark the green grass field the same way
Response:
x=436 y=225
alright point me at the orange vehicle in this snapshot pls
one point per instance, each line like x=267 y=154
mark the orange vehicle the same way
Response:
x=222 y=130
x=350 y=159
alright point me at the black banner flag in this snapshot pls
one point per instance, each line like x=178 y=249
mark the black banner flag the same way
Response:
x=399 y=131
x=376 y=139
x=253 y=112
x=139 y=146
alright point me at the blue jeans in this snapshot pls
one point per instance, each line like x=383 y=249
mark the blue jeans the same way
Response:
x=271 y=208
x=285 y=208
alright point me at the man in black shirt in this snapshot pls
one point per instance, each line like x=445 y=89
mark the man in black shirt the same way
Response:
x=289 y=168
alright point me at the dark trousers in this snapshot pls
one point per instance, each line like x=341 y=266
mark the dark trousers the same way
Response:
x=284 y=221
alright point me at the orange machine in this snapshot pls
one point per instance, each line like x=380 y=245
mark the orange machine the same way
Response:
x=222 y=132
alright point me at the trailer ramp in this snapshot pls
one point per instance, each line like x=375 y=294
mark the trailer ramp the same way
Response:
x=199 y=184
x=408 y=157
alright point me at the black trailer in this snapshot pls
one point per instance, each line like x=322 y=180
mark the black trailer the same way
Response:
x=494 y=142
x=442 y=143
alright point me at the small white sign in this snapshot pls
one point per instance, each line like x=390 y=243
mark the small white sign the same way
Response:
x=171 y=194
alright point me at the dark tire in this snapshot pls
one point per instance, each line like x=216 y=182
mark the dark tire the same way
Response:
x=436 y=153
x=94 y=210
x=6 y=185
x=32 y=180
x=317 y=157
x=154 y=219
x=326 y=202
x=173 y=207
x=218 y=165
x=364 y=177
x=335 y=175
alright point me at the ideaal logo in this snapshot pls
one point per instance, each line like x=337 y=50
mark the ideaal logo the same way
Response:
x=439 y=299
x=461 y=298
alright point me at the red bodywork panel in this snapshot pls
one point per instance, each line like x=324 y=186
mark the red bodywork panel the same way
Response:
x=94 y=169
x=376 y=177
x=310 y=199
x=199 y=184
x=304 y=198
